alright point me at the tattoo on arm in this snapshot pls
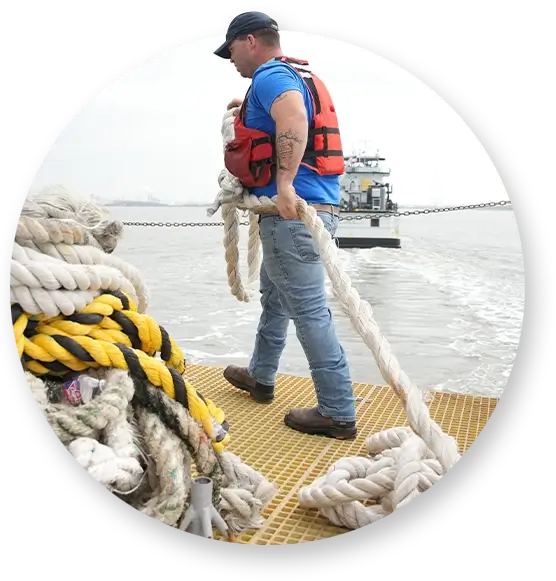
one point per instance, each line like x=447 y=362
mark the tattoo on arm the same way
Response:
x=288 y=111
x=285 y=145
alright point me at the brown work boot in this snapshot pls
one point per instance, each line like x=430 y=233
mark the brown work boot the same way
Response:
x=239 y=377
x=310 y=421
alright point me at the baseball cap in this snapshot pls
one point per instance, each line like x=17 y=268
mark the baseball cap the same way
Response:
x=245 y=23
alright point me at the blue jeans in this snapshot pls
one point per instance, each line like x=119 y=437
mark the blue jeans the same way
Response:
x=292 y=287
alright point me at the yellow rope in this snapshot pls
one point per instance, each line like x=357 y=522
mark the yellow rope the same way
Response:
x=110 y=332
x=19 y=327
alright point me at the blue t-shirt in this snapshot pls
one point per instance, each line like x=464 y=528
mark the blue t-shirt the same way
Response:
x=269 y=81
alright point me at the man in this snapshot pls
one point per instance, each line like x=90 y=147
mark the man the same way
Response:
x=287 y=143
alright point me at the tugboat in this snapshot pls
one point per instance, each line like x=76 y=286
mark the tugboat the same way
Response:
x=364 y=191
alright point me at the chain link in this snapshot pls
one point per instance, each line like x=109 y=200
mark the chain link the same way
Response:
x=178 y=224
x=426 y=211
x=342 y=218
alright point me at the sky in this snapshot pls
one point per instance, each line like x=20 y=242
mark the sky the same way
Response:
x=156 y=129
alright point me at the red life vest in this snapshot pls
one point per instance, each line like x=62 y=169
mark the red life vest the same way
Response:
x=251 y=155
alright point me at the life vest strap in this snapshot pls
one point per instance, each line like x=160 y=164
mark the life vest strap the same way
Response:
x=324 y=131
x=323 y=153
x=256 y=169
x=313 y=89
x=261 y=140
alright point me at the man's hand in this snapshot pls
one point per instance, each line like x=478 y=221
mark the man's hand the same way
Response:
x=286 y=202
x=234 y=103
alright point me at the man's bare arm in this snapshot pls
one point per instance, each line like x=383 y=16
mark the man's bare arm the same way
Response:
x=290 y=115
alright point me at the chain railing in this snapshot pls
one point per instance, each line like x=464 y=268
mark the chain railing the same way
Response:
x=178 y=224
x=342 y=218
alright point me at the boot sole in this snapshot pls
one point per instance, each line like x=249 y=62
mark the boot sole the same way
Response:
x=268 y=399
x=335 y=433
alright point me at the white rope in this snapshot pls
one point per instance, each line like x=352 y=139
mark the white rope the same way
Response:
x=90 y=255
x=231 y=243
x=104 y=465
x=254 y=254
x=59 y=259
x=230 y=185
x=389 y=480
x=37 y=281
x=58 y=203
x=245 y=493
x=412 y=479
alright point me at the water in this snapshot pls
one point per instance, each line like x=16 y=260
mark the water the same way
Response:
x=450 y=302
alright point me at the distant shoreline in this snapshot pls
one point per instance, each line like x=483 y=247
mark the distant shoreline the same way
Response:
x=507 y=207
x=152 y=205
x=124 y=204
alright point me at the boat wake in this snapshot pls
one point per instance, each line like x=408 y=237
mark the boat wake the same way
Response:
x=481 y=300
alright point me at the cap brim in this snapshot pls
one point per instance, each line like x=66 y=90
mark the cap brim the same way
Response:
x=224 y=51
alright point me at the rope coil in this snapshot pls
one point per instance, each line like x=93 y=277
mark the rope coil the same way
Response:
x=76 y=309
x=429 y=443
x=110 y=333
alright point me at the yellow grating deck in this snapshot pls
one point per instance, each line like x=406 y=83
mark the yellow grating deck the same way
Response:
x=291 y=460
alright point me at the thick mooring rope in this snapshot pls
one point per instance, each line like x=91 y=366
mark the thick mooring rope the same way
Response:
x=62 y=256
x=74 y=312
x=110 y=333
x=407 y=470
